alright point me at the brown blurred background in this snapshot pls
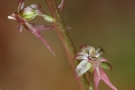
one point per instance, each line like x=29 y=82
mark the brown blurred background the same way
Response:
x=26 y=63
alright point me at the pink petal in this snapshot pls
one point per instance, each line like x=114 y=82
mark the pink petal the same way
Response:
x=40 y=27
x=20 y=5
x=97 y=78
x=103 y=77
x=106 y=80
x=34 y=31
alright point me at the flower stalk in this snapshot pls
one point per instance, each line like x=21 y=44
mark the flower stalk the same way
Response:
x=66 y=42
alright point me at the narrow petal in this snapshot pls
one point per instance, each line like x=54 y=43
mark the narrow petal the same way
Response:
x=106 y=80
x=99 y=51
x=97 y=78
x=40 y=27
x=92 y=52
x=20 y=5
x=20 y=28
x=85 y=48
x=103 y=77
x=34 y=31
x=83 y=67
x=47 y=45
x=84 y=57
x=81 y=53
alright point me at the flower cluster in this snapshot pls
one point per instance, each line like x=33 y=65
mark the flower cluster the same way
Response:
x=92 y=62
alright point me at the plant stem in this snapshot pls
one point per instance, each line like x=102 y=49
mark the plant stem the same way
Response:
x=66 y=42
x=91 y=83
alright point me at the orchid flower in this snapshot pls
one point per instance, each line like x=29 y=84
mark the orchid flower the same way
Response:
x=25 y=14
x=92 y=62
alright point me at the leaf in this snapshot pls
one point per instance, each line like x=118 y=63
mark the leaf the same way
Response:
x=106 y=65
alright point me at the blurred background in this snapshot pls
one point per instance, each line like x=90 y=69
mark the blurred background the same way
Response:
x=26 y=63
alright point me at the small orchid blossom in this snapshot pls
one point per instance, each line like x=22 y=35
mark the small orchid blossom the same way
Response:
x=25 y=14
x=92 y=62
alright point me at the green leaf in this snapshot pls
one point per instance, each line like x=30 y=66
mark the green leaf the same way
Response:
x=106 y=65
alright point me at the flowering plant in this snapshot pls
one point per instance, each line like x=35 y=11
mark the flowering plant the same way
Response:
x=90 y=58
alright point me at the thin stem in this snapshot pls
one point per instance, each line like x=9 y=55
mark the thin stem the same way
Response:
x=66 y=42
x=91 y=82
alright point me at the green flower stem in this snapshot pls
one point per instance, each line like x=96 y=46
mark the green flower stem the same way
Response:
x=66 y=42
x=91 y=83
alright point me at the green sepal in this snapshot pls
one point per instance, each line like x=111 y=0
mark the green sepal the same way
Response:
x=28 y=13
x=48 y=18
x=106 y=65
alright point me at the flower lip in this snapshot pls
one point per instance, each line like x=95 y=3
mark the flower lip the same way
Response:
x=13 y=16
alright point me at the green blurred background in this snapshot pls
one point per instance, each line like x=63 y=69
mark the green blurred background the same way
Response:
x=26 y=63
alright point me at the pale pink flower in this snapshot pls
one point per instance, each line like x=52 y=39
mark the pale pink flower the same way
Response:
x=92 y=62
x=25 y=14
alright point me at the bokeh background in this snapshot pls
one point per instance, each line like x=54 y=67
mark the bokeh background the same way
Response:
x=26 y=63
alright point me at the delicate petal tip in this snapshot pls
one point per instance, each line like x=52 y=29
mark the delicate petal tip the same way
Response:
x=83 y=67
x=47 y=45
x=106 y=80
x=20 y=5
x=37 y=34
x=10 y=17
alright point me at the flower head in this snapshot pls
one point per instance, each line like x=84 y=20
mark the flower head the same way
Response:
x=24 y=14
x=92 y=62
